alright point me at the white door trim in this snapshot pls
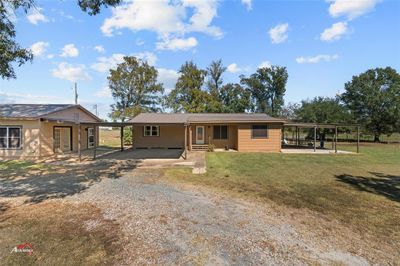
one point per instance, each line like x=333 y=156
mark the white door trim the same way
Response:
x=200 y=140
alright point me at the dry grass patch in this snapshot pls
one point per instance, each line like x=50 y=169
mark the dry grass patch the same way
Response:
x=61 y=234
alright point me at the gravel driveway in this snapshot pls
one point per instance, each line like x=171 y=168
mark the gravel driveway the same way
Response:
x=167 y=224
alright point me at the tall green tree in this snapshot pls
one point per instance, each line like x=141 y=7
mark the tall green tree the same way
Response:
x=10 y=51
x=188 y=95
x=135 y=89
x=267 y=87
x=374 y=100
x=323 y=110
x=234 y=98
x=214 y=83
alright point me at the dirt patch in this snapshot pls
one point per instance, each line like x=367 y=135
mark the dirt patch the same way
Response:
x=60 y=233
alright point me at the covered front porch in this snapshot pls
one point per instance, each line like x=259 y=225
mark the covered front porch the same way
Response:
x=211 y=136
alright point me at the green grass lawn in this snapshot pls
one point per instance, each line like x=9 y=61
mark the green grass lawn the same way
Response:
x=361 y=190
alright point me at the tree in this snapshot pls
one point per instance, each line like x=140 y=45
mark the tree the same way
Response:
x=134 y=87
x=322 y=110
x=267 y=87
x=188 y=95
x=10 y=51
x=214 y=83
x=289 y=111
x=234 y=98
x=374 y=100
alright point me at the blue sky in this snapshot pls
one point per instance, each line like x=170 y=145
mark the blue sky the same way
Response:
x=322 y=44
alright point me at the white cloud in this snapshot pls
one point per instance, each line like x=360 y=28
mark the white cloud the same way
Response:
x=248 y=4
x=104 y=92
x=171 y=20
x=316 y=59
x=351 y=8
x=233 y=68
x=168 y=77
x=104 y=64
x=69 y=50
x=265 y=64
x=7 y=97
x=335 y=32
x=50 y=56
x=35 y=16
x=278 y=34
x=139 y=42
x=39 y=48
x=177 y=44
x=99 y=49
x=149 y=57
x=69 y=72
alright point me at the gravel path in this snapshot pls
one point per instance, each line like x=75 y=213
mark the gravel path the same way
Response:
x=166 y=224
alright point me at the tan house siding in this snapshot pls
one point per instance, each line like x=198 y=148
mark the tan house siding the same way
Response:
x=30 y=139
x=209 y=135
x=69 y=114
x=248 y=144
x=171 y=136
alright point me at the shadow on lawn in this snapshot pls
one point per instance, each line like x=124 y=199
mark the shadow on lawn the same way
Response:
x=380 y=184
x=59 y=180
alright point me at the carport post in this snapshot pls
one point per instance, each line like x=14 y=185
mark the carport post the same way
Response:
x=122 y=138
x=297 y=136
x=335 y=139
x=95 y=142
x=79 y=142
x=315 y=138
x=358 y=139
x=132 y=138
x=185 y=141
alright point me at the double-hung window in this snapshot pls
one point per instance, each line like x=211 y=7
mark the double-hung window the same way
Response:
x=10 y=137
x=220 y=132
x=259 y=131
x=151 y=131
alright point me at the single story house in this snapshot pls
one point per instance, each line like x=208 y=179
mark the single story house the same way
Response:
x=239 y=131
x=40 y=130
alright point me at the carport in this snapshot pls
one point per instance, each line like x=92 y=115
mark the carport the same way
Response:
x=96 y=126
x=332 y=128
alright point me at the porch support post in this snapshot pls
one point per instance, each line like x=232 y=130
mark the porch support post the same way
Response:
x=358 y=139
x=297 y=136
x=336 y=131
x=315 y=138
x=79 y=142
x=95 y=142
x=132 y=138
x=185 y=141
x=122 y=138
x=190 y=137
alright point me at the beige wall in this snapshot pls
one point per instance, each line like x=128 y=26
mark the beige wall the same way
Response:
x=270 y=144
x=219 y=143
x=69 y=114
x=171 y=136
x=30 y=139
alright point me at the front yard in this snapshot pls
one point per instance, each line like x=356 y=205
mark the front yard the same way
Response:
x=360 y=191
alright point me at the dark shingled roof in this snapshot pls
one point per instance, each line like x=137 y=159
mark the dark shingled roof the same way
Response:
x=162 y=118
x=30 y=110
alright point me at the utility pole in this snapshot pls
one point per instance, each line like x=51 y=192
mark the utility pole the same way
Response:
x=76 y=92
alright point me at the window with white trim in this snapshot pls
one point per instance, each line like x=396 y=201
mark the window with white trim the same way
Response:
x=10 y=137
x=151 y=131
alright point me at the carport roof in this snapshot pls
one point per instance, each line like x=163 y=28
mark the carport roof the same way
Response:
x=182 y=118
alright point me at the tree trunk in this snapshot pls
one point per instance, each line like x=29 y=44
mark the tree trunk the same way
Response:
x=376 y=138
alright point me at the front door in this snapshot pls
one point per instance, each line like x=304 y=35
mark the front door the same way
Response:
x=199 y=134
x=62 y=139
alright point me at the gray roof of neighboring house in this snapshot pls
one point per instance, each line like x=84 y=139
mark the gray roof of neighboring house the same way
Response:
x=163 y=118
x=35 y=111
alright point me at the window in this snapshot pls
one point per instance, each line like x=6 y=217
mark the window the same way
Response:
x=259 y=132
x=220 y=132
x=10 y=137
x=90 y=137
x=151 y=131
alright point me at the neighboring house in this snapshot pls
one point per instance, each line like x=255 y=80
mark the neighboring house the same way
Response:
x=242 y=132
x=39 y=130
